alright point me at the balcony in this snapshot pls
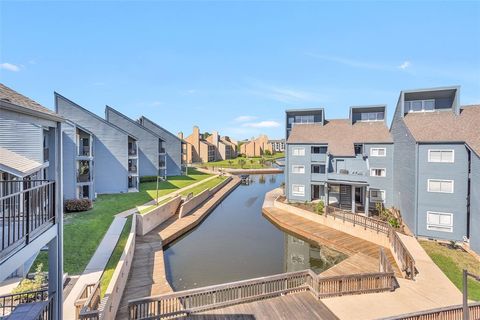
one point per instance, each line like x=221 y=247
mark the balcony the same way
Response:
x=28 y=305
x=318 y=177
x=318 y=157
x=132 y=152
x=84 y=151
x=25 y=212
x=132 y=168
x=346 y=175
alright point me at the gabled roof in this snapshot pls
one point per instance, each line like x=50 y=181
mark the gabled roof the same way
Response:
x=18 y=165
x=445 y=126
x=340 y=135
x=12 y=97
x=143 y=118
x=108 y=108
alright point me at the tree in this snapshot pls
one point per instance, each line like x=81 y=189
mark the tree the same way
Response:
x=230 y=162
x=268 y=153
x=262 y=161
x=32 y=285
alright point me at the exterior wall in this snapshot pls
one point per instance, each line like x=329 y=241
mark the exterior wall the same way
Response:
x=455 y=202
x=110 y=145
x=298 y=178
x=69 y=162
x=194 y=141
x=23 y=138
x=475 y=203
x=173 y=147
x=148 y=152
x=382 y=183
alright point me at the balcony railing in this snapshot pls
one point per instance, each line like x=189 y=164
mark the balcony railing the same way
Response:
x=132 y=152
x=9 y=303
x=132 y=169
x=84 y=151
x=25 y=213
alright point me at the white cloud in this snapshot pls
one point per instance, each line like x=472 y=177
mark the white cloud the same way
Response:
x=244 y=118
x=284 y=94
x=9 y=67
x=262 y=124
x=405 y=65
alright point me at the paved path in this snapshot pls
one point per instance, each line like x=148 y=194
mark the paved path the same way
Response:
x=95 y=267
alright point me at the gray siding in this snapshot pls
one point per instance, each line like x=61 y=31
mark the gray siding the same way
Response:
x=297 y=178
x=455 y=203
x=69 y=165
x=173 y=147
x=475 y=204
x=110 y=147
x=382 y=183
x=147 y=142
x=23 y=138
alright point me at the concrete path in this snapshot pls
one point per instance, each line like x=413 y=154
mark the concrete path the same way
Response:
x=95 y=267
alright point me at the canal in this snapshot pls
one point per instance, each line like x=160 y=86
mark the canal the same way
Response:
x=235 y=242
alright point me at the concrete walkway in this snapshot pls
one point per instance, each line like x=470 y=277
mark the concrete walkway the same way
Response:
x=95 y=267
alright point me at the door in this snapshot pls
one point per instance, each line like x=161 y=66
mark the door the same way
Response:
x=315 y=192
x=358 y=195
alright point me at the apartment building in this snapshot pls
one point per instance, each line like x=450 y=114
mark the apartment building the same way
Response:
x=347 y=163
x=257 y=147
x=171 y=146
x=437 y=164
x=277 y=145
x=198 y=148
x=30 y=190
x=231 y=147
x=98 y=156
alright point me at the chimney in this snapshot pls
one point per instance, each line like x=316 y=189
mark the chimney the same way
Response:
x=215 y=137
x=196 y=131
x=180 y=135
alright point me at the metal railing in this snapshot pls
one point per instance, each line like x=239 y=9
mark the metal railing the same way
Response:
x=8 y=303
x=445 y=313
x=25 y=213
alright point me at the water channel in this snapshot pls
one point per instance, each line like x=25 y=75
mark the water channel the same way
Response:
x=235 y=242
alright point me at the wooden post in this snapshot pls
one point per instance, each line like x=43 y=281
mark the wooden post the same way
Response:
x=465 y=295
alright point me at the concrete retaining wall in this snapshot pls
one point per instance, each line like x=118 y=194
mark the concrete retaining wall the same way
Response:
x=337 y=224
x=150 y=220
x=113 y=295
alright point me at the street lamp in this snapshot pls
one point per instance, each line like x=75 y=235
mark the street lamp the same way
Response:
x=466 y=274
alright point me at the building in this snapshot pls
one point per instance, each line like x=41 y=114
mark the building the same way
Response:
x=257 y=147
x=437 y=164
x=347 y=163
x=198 y=148
x=31 y=190
x=277 y=145
x=231 y=150
x=172 y=147
x=98 y=156
x=303 y=116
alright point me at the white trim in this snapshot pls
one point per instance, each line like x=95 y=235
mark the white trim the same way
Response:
x=440 y=227
x=300 y=167
x=372 y=155
x=298 y=193
x=300 y=151
x=423 y=105
x=376 y=199
x=440 y=180
x=441 y=150
x=381 y=176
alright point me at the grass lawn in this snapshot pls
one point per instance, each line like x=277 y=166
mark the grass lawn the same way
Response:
x=250 y=163
x=204 y=186
x=115 y=257
x=452 y=262
x=83 y=231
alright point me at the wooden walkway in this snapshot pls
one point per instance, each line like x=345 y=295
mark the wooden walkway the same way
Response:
x=292 y=306
x=357 y=263
x=332 y=238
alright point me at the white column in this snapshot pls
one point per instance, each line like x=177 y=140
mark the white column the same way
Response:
x=367 y=200
x=353 y=198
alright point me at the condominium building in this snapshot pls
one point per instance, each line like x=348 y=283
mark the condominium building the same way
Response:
x=277 y=145
x=98 y=156
x=257 y=147
x=198 y=148
x=347 y=163
x=437 y=164
x=30 y=190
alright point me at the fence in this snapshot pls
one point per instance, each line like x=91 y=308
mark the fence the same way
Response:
x=8 y=303
x=445 y=313
x=88 y=301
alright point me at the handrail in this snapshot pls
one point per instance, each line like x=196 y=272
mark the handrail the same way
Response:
x=445 y=313
x=88 y=301
x=9 y=302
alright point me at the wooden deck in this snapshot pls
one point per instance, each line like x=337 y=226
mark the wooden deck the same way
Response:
x=357 y=263
x=332 y=238
x=293 y=306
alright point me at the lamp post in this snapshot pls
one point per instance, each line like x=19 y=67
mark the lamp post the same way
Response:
x=466 y=274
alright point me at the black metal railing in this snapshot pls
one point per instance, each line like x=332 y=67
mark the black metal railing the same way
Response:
x=8 y=303
x=25 y=212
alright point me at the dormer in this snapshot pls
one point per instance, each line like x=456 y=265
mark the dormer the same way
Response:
x=430 y=100
x=303 y=116
x=373 y=113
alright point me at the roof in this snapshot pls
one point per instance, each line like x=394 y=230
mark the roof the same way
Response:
x=18 y=165
x=143 y=118
x=13 y=97
x=340 y=135
x=445 y=126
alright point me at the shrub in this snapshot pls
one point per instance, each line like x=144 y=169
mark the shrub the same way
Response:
x=320 y=207
x=32 y=285
x=394 y=222
x=267 y=153
x=148 y=179
x=77 y=205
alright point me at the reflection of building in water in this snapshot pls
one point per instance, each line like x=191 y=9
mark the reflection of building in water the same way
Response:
x=301 y=255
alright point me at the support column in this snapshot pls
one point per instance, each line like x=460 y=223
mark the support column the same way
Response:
x=53 y=279
x=327 y=192
x=353 y=198
x=367 y=201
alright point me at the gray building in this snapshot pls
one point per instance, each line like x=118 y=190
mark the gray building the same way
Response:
x=30 y=190
x=98 y=156
x=347 y=163
x=277 y=145
x=303 y=116
x=172 y=146
x=437 y=164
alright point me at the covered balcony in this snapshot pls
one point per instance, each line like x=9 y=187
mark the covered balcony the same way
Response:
x=132 y=147
x=28 y=305
x=84 y=143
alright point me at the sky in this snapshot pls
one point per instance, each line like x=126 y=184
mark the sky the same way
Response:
x=234 y=66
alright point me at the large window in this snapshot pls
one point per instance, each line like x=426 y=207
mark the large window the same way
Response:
x=298 y=189
x=441 y=156
x=372 y=116
x=378 y=152
x=298 y=169
x=444 y=186
x=319 y=150
x=439 y=221
x=419 y=105
x=378 y=172
x=318 y=168
x=304 y=119
x=298 y=151
x=377 y=195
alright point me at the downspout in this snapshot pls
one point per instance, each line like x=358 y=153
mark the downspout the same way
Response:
x=416 y=189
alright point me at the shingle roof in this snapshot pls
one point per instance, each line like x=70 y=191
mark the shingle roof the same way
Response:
x=340 y=135
x=444 y=126
x=9 y=95
x=17 y=164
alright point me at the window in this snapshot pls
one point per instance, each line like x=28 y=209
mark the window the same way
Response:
x=441 y=156
x=304 y=119
x=439 y=221
x=419 y=105
x=358 y=149
x=298 y=151
x=445 y=186
x=318 y=168
x=372 y=116
x=374 y=172
x=298 y=169
x=378 y=152
x=319 y=150
x=298 y=189
x=377 y=195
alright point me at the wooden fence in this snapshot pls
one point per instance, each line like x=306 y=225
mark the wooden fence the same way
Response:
x=445 y=313
x=88 y=301
x=397 y=246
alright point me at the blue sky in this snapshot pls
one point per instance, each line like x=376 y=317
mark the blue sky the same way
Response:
x=236 y=66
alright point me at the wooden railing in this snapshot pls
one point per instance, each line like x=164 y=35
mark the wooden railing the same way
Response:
x=183 y=303
x=445 y=313
x=88 y=301
x=397 y=246
x=8 y=303
x=24 y=213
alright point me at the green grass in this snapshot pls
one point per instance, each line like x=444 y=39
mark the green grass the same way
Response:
x=83 y=231
x=452 y=262
x=115 y=257
x=203 y=186
x=250 y=163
